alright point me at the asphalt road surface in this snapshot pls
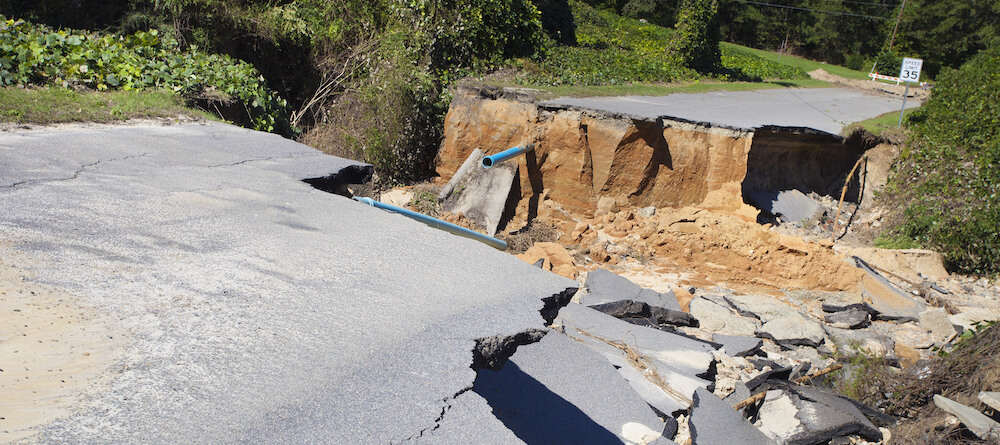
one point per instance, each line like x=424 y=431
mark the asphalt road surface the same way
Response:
x=256 y=308
x=824 y=109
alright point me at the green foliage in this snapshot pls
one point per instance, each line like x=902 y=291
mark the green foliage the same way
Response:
x=947 y=33
x=36 y=55
x=612 y=50
x=698 y=34
x=863 y=374
x=748 y=66
x=58 y=105
x=856 y=62
x=557 y=20
x=888 y=63
x=950 y=174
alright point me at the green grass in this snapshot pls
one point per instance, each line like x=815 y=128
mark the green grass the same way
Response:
x=60 y=105
x=550 y=92
x=882 y=125
x=805 y=64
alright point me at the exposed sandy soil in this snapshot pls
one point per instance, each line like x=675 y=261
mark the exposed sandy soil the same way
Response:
x=870 y=85
x=707 y=248
x=52 y=350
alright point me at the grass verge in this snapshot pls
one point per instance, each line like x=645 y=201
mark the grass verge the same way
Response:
x=882 y=125
x=60 y=105
x=805 y=64
x=551 y=92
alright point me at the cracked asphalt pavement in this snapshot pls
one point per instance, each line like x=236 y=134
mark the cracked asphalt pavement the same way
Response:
x=256 y=307
x=824 y=109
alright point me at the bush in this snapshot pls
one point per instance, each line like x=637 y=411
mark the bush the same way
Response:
x=612 y=50
x=949 y=176
x=888 y=63
x=751 y=67
x=36 y=55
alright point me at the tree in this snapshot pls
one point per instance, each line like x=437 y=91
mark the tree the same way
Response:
x=698 y=34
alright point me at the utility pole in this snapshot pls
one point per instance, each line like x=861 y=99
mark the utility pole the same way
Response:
x=894 y=28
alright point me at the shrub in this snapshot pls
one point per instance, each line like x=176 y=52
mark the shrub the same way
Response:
x=949 y=176
x=748 y=66
x=611 y=50
x=37 y=55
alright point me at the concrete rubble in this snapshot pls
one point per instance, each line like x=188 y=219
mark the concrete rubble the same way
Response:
x=786 y=205
x=977 y=422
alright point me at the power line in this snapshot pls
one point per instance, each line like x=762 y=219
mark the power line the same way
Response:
x=863 y=3
x=814 y=10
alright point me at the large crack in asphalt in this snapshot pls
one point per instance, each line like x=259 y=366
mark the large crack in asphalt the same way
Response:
x=75 y=175
x=493 y=352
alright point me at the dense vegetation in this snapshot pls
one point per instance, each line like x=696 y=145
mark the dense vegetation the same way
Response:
x=37 y=55
x=950 y=174
x=363 y=79
x=945 y=33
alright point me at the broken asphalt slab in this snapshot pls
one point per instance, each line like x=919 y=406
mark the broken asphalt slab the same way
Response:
x=541 y=398
x=604 y=286
x=789 y=205
x=795 y=414
x=975 y=421
x=680 y=362
x=884 y=299
x=824 y=109
x=258 y=308
x=715 y=422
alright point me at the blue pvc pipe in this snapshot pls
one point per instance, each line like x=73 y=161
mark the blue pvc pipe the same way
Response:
x=437 y=223
x=492 y=160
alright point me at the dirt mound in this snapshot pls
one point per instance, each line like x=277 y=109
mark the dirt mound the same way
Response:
x=870 y=85
x=724 y=249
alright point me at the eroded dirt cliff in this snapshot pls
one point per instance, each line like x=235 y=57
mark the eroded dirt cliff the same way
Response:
x=582 y=156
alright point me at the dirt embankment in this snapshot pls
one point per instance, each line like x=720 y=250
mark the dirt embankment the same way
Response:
x=591 y=172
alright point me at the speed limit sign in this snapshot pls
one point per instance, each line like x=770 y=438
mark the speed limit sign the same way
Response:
x=910 y=71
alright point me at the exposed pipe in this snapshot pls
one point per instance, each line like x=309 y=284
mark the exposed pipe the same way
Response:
x=492 y=160
x=437 y=223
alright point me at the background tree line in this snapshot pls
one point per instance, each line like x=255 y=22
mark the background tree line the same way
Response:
x=945 y=33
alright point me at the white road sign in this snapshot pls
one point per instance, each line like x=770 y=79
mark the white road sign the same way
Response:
x=910 y=71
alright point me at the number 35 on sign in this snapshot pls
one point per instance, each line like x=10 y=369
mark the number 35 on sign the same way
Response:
x=910 y=71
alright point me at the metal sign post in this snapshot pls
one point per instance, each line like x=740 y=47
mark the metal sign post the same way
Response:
x=909 y=72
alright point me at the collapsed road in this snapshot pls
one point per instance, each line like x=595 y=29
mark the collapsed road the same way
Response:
x=236 y=302
x=823 y=109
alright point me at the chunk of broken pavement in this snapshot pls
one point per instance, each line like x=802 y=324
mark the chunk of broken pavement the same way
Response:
x=991 y=399
x=975 y=421
x=714 y=422
x=937 y=322
x=802 y=415
x=737 y=345
x=663 y=368
x=793 y=328
x=628 y=309
x=886 y=300
x=789 y=205
x=914 y=336
x=849 y=319
x=604 y=286
x=716 y=318
x=761 y=307
x=559 y=391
